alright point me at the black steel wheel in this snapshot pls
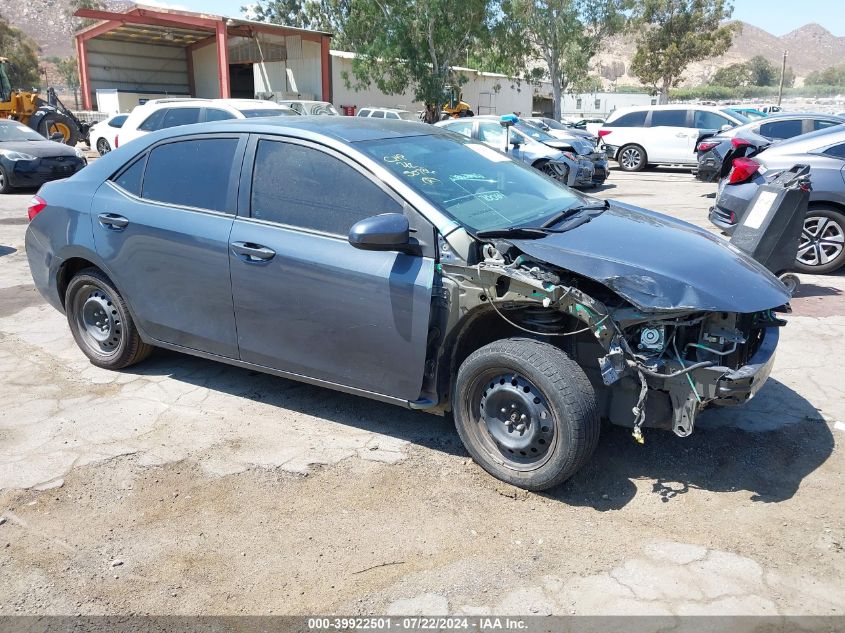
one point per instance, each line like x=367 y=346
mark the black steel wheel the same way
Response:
x=526 y=412
x=100 y=322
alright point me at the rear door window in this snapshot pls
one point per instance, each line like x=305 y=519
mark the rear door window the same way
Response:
x=391 y=115
x=216 y=114
x=669 y=118
x=706 y=120
x=632 y=119
x=180 y=116
x=304 y=187
x=782 y=129
x=153 y=122
x=377 y=114
x=820 y=124
x=130 y=178
x=837 y=151
x=191 y=173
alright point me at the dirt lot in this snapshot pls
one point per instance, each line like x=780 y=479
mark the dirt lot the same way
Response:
x=185 y=486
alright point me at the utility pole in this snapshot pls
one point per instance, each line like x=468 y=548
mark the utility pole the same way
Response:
x=782 y=74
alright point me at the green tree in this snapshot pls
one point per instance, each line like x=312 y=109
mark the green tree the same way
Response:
x=733 y=75
x=566 y=35
x=68 y=70
x=831 y=76
x=675 y=33
x=22 y=54
x=763 y=72
x=407 y=44
x=322 y=15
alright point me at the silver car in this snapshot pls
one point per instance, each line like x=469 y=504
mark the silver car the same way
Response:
x=822 y=246
x=562 y=165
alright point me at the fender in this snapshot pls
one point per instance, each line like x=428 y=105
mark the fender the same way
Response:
x=38 y=116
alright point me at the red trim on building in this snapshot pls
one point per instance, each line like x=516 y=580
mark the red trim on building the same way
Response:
x=223 y=60
x=326 y=68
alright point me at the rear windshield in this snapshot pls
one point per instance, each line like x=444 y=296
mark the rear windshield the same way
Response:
x=474 y=184
x=254 y=114
x=408 y=116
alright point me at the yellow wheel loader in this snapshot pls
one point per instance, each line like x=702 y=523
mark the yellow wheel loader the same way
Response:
x=49 y=117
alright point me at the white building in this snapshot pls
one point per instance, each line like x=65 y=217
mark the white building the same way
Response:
x=588 y=105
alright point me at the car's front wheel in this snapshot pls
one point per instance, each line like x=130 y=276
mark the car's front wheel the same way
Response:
x=631 y=158
x=100 y=322
x=526 y=412
x=5 y=186
x=821 y=249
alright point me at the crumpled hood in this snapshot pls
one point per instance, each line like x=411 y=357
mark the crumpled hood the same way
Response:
x=659 y=263
x=39 y=149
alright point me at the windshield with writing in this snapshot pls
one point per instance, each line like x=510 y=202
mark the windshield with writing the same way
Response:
x=479 y=187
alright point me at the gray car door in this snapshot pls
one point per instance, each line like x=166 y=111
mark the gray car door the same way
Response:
x=161 y=226
x=306 y=301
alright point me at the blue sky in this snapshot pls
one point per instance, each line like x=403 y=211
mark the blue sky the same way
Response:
x=776 y=16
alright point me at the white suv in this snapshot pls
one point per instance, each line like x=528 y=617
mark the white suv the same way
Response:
x=650 y=135
x=158 y=114
x=387 y=113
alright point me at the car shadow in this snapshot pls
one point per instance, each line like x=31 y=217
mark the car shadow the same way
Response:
x=7 y=250
x=431 y=431
x=602 y=187
x=765 y=447
x=815 y=290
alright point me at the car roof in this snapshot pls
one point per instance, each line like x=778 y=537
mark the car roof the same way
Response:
x=346 y=129
x=383 y=108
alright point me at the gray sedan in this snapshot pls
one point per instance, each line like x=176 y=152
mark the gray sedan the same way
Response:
x=822 y=246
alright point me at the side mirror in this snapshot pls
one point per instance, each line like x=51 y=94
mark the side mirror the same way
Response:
x=565 y=148
x=385 y=232
x=516 y=140
x=57 y=136
x=726 y=127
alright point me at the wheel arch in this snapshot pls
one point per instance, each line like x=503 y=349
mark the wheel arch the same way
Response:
x=826 y=204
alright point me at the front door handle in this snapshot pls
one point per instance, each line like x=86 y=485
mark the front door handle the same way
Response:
x=113 y=221
x=681 y=135
x=250 y=252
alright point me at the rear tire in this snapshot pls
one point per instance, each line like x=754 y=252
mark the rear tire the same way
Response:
x=57 y=122
x=822 y=246
x=526 y=412
x=100 y=322
x=103 y=146
x=631 y=158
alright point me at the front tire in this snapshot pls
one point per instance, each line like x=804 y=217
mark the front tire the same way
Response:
x=631 y=158
x=821 y=249
x=5 y=187
x=57 y=122
x=100 y=322
x=526 y=412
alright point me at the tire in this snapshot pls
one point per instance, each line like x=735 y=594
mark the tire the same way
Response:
x=5 y=187
x=631 y=158
x=58 y=122
x=822 y=246
x=538 y=386
x=100 y=322
x=103 y=146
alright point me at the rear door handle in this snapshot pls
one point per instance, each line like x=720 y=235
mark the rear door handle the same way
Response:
x=113 y=221
x=250 y=252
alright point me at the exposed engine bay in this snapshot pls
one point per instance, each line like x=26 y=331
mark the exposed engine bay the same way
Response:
x=654 y=367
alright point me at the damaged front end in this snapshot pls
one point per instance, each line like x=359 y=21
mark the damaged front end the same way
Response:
x=653 y=366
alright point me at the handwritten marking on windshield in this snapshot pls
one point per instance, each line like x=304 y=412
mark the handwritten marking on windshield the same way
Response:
x=410 y=170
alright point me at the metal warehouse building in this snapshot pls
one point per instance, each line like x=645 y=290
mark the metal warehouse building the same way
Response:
x=149 y=52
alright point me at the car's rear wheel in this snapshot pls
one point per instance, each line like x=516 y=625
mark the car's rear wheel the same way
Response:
x=103 y=146
x=631 y=158
x=526 y=412
x=100 y=322
x=821 y=249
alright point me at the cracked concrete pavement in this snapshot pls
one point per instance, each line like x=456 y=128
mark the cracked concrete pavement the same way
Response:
x=227 y=491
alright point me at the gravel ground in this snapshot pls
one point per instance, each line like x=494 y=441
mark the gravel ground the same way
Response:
x=182 y=486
